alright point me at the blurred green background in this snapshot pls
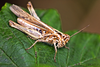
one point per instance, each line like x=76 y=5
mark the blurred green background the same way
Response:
x=75 y=14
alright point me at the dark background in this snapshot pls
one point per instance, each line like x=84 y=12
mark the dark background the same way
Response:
x=75 y=14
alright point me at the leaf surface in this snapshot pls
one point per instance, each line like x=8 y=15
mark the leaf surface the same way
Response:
x=84 y=47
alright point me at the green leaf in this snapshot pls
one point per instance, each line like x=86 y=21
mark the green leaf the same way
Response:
x=84 y=47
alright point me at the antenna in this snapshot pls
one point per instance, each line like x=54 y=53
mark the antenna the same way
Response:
x=79 y=31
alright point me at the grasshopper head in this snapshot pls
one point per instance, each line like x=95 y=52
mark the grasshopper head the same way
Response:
x=62 y=42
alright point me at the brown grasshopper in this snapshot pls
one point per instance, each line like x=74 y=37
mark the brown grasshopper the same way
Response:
x=39 y=31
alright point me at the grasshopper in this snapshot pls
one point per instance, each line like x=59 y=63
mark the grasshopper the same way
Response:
x=37 y=30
